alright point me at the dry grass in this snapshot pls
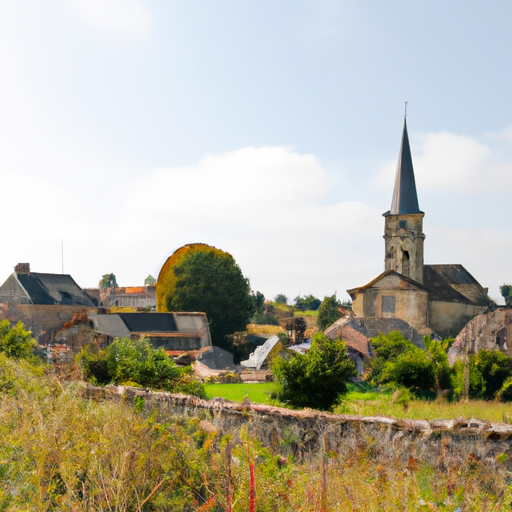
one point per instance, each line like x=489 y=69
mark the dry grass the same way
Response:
x=382 y=405
x=264 y=329
x=61 y=452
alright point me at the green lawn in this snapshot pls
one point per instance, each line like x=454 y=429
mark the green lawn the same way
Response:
x=258 y=393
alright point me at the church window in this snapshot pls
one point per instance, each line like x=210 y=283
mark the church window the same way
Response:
x=388 y=304
x=405 y=263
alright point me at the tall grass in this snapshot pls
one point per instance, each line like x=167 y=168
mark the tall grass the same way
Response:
x=61 y=452
x=371 y=403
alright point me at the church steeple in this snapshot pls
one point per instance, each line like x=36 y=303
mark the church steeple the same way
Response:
x=405 y=198
x=403 y=230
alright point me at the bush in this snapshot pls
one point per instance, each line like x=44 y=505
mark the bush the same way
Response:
x=16 y=342
x=265 y=319
x=495 y=368
x=505 y=393
x=476 y=380
x=136 y=362
x=412 y=369
x=317 y=378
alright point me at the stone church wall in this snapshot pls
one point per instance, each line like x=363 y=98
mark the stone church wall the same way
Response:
x=448 y=318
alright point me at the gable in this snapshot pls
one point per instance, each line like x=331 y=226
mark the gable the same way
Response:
x=12 y=292
x=388 y=280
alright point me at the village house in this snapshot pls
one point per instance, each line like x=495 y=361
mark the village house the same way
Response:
x=437 y=299
x=136 y=297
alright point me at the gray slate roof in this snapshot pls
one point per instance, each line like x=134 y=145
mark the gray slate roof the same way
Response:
x=405 y=197
x=53 y=289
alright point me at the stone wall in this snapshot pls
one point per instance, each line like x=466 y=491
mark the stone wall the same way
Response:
x=310 y=433
x=448 y=318
x=43 y=320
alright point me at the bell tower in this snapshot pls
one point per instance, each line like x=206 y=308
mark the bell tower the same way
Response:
x=403 y=228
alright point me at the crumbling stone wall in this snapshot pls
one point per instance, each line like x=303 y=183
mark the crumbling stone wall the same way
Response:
x=310 y=433
x=490 y=331
x=43 y=320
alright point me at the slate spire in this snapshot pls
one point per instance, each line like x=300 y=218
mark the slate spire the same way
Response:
x=405 y=198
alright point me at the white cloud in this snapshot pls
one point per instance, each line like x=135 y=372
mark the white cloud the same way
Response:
x=455 y=163
x=128 y=17
x=265 y=206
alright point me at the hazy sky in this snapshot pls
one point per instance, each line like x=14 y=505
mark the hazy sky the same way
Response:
x=267 y=128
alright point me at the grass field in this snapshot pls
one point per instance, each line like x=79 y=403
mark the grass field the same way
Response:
x=372 y=403
x=258 y=393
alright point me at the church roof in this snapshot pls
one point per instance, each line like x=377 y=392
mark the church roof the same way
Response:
x=405 y=197
x=453 y=283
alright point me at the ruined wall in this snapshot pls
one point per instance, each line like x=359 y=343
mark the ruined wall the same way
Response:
x=490 y=331
x=448 y=318
x=43 y=320
x=309 y=433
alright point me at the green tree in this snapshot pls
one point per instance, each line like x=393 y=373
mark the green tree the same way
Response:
x=281 y=298
x=213 y=283
x=317 y=378
x=108 y=281
x=259 y=302
x=150 y=280
x=15 y=341
x=506 y=292
x=307 y=303
x=328 y=312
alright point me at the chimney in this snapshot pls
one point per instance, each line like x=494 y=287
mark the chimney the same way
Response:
x=22 y=268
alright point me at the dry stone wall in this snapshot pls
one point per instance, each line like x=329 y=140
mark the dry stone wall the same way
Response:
x=307 y=434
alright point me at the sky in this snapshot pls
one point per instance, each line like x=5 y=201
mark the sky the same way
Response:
x=269 y=129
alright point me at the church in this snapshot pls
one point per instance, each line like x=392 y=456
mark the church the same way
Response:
x=428 y=299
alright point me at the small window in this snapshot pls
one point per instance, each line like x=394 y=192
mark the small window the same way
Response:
x=388 y=304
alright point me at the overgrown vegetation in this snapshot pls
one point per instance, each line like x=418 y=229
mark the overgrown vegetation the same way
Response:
x=426 y=372
x=62 y=452
x=136 y=363
x=16 y=342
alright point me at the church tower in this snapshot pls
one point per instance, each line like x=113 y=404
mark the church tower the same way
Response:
x=403 y=230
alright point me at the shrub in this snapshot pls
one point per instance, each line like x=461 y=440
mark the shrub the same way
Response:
x=495 y=368
x=265 y=319
x=16 y=342
x=476 y=380
x=128 y=361
x=412 y=369
x=317 y=378
x=505 y=393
